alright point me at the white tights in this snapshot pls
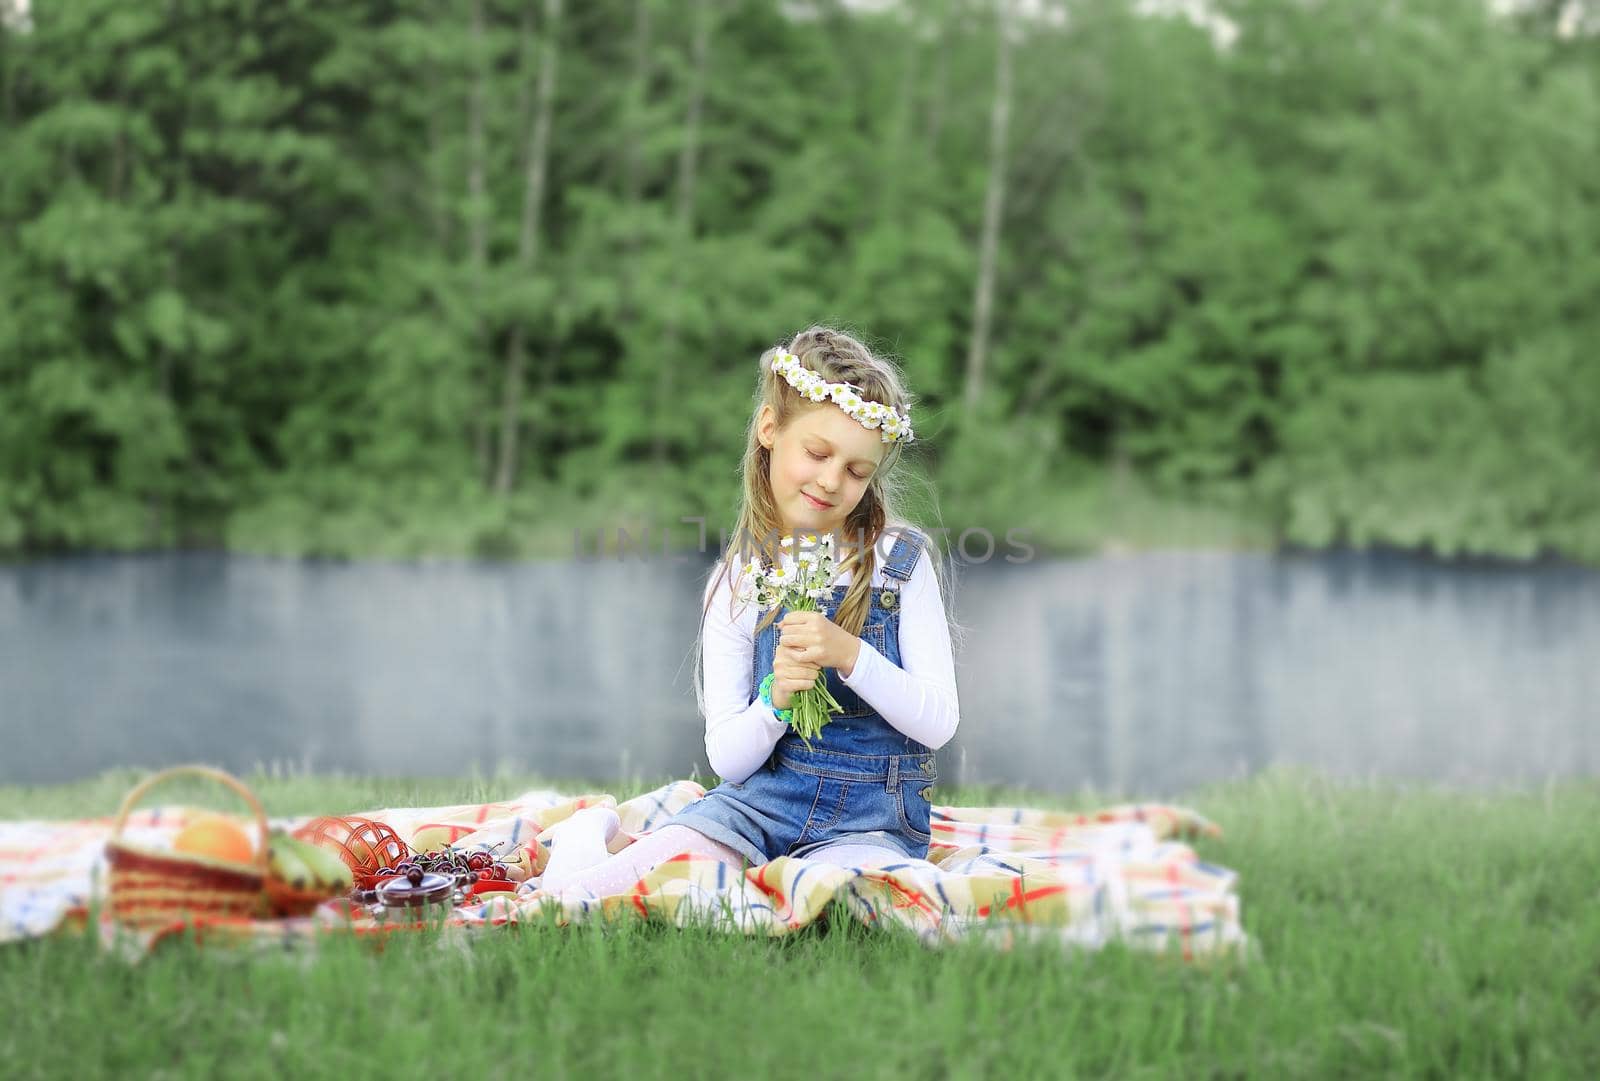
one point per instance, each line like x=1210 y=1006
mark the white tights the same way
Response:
x=618 y=872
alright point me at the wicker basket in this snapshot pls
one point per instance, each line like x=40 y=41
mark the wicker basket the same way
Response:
x=153 y=888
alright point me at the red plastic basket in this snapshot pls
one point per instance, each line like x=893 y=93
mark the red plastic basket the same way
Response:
x=364 y=844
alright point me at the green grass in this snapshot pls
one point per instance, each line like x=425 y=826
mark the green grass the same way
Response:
x=1404 y=930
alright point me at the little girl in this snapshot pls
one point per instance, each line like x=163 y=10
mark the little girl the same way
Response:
x=831 y=422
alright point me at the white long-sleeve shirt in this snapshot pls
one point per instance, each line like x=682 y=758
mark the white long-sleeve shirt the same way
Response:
x=917 y=697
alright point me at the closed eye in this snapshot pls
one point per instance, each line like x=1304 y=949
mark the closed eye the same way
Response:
x=824 y=457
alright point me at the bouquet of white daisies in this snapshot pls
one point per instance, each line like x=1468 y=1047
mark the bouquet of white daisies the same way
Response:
x=797 y=582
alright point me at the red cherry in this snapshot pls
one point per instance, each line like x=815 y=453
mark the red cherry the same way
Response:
x=484 y=876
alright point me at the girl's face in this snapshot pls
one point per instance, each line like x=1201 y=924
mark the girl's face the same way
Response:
x=824 y=454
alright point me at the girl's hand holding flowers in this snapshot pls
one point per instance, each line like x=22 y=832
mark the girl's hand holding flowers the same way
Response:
x=819 y=640
x=791 y=675
x=809 y=640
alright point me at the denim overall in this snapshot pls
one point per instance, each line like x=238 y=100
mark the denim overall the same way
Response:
x=863 y=782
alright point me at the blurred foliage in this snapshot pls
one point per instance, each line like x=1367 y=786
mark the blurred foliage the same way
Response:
x=1334 y=278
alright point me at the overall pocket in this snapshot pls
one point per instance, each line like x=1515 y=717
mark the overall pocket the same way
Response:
x=912 y=803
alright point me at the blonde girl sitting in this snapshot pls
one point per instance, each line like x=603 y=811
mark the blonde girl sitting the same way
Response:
x=831 y=421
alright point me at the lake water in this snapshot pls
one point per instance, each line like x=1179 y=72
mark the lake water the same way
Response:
x=1140 y=674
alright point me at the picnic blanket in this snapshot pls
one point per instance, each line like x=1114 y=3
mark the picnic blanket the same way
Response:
x=1002 y=874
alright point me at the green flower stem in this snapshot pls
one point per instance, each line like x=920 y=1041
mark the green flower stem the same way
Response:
x=814 y=705
x=811 y=710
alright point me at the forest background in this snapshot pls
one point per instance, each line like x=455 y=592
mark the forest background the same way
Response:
x=463 y=277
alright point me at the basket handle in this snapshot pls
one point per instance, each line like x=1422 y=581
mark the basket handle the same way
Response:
x=141 y=789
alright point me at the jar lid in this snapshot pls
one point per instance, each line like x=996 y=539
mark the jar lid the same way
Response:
x=432 y=889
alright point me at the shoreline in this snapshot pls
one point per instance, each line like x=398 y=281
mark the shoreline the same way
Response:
x=1089 y=515
x=292 y=791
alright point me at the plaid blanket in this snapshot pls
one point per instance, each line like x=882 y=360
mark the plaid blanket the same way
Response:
x=1001 y=874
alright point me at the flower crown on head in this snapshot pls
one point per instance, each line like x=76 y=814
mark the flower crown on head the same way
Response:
x=894 y=427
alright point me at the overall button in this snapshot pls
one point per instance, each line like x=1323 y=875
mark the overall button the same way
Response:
x=887 y=598
x=928 y=766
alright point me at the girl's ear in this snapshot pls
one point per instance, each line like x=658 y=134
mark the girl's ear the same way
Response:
x=766 y=426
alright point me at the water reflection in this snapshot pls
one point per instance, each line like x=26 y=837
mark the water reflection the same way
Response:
x=1140 y=674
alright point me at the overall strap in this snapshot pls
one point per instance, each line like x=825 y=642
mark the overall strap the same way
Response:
x=903 y=556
